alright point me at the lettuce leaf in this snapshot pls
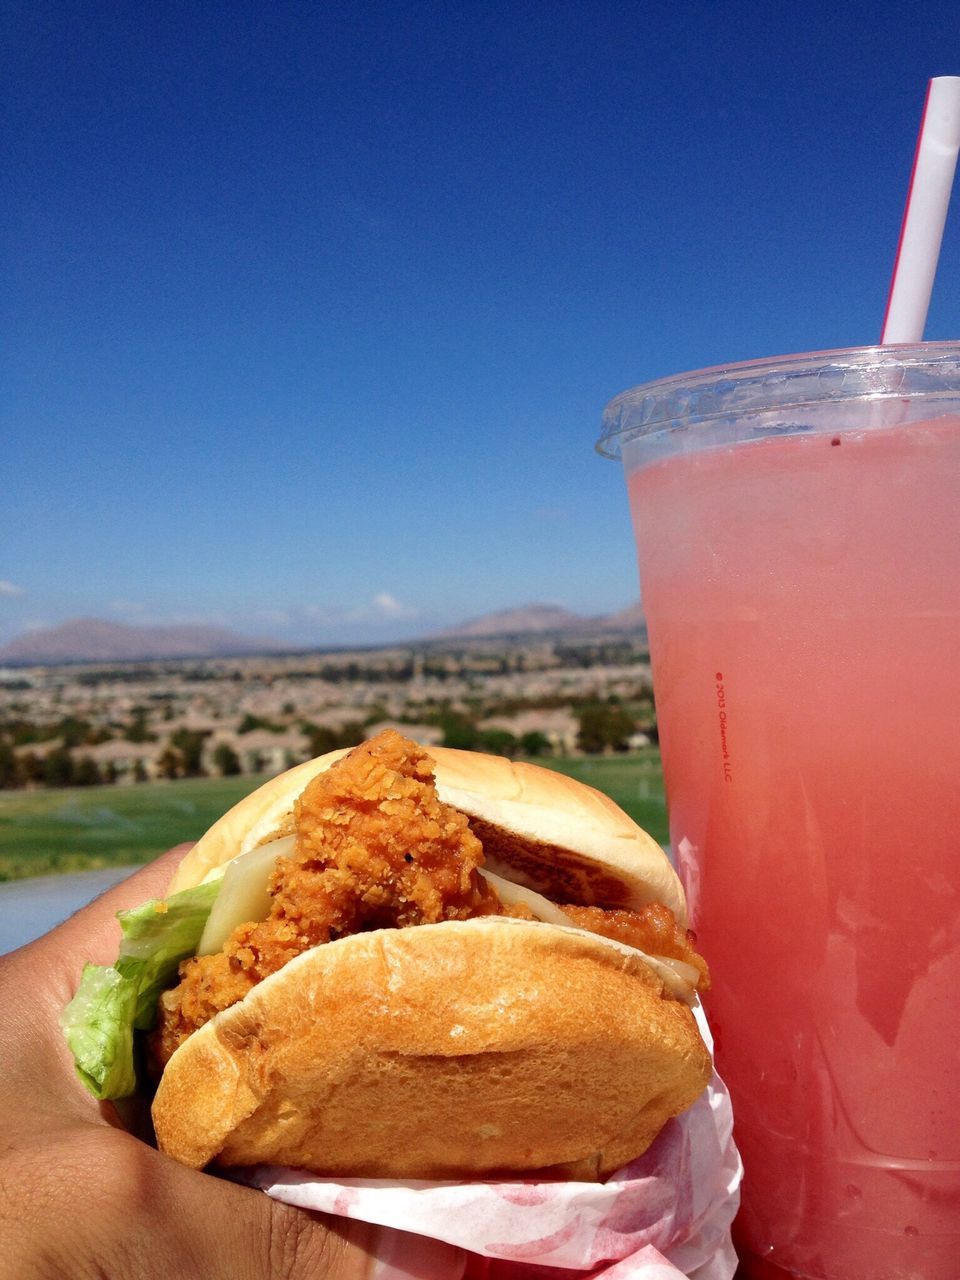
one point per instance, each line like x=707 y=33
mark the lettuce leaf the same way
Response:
x=98 y=1025
x=114 y=1001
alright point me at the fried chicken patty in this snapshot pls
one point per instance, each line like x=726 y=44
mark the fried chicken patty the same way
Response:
x=652 y=929
x=375 y=848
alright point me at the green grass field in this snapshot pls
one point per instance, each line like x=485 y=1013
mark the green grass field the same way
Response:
x=79 y=828
x=46 y=832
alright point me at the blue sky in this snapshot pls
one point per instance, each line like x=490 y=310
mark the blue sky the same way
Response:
x=311 y=310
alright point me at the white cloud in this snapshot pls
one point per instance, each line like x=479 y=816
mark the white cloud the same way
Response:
x=391 y=607
x=10 y=589
x=383 y=607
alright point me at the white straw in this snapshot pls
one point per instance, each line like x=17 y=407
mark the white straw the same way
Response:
x=928 y=196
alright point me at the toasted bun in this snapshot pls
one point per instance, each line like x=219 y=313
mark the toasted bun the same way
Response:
x=546 y=830
x=448 y=1050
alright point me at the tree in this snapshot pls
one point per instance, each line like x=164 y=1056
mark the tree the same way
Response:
x=86 y=773
x=534 y=743
x=498 y=742
x=73 y=731
x=251 y=722
x=320 y=737
x=23 y=731
x=29 y=769
x=604 y=726
x=188 y=743
x=137 y=730
x=58 y=768
x=351 y=734
x=620 y=725
x=169 y=764
x=226 y=760
x=458 y=731
x=8 y=765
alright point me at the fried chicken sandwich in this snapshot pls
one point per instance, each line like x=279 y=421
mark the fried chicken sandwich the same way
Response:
x=397 y=962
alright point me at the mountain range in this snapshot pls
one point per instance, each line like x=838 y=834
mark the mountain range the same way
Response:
x=98 y=640
x=531 y=618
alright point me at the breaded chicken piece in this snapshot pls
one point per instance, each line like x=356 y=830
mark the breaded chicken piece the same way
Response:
x=653 y=929
x=375 y=848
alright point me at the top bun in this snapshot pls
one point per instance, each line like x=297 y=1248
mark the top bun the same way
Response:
x=539 y=827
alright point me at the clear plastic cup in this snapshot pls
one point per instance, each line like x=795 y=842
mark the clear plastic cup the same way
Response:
x=798 y=536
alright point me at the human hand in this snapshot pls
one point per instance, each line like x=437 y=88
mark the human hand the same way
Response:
x=82 y=1197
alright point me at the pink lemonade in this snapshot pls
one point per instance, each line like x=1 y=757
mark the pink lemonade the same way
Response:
x=803 y=598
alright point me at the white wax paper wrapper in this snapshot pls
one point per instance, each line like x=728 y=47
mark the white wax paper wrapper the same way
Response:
x=667 y=1214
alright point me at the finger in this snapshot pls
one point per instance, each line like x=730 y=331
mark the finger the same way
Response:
x=235 y=1232
x=396 y=1255
x=299 y=1245
x=38 y=980
x=149 y=1218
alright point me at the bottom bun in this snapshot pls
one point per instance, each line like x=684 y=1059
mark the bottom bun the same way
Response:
x=442 y=1051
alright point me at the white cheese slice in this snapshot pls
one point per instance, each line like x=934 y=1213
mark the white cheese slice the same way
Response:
x=517 y=894
x=677 y=976
x=243 y=895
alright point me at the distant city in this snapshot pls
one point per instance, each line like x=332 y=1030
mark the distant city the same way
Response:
x=531 y=682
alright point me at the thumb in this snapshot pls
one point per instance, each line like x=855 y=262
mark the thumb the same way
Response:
x=200 y=1227
x=38 y=979
x=354 y=1250
x=93 y=932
